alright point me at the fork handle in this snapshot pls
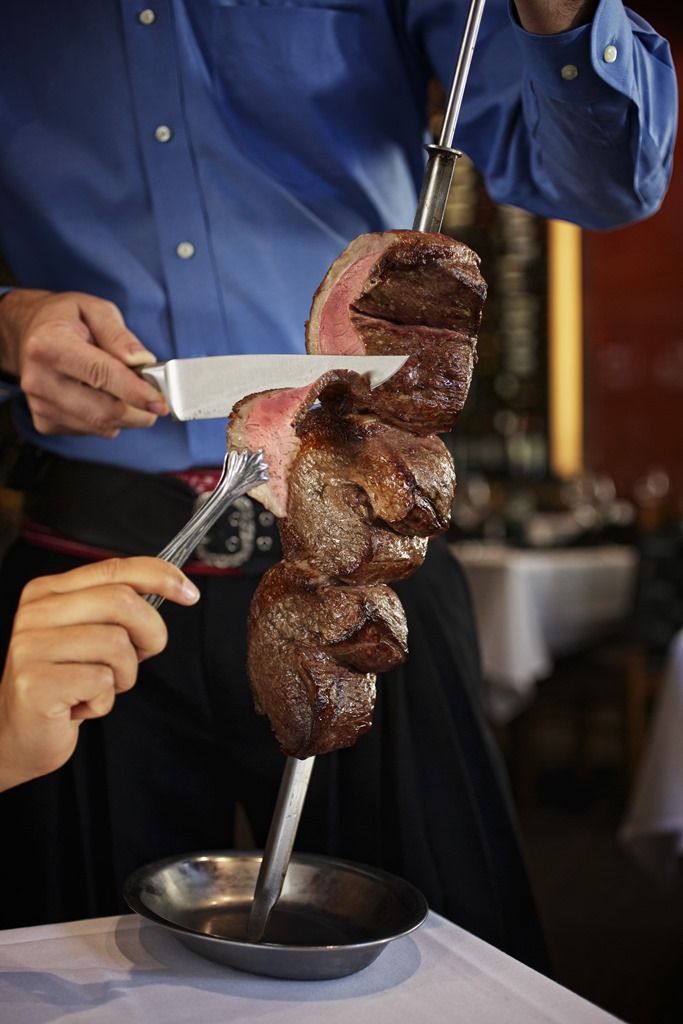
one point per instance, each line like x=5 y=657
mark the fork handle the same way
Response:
x=241 y=471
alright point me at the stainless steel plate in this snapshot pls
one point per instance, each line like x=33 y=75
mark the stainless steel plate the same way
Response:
x=333 y=918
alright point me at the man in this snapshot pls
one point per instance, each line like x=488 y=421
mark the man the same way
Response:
x=76 y=643
x=176 y=179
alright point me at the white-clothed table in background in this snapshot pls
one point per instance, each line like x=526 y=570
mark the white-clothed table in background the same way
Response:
x=652 y=827
x=110 y=970
x=532 y=606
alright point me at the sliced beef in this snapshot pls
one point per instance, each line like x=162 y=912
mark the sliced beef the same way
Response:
x=364 y=497
x=405 y=292
x=358 y=481
x=428 y=393
x=313 y=652
x=268 y=422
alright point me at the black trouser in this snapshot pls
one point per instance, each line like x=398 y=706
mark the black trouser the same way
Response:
x=422 y=794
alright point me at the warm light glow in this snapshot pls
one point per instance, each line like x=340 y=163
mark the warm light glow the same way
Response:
x=565 y=348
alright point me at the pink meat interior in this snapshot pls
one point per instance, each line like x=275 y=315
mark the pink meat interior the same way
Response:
x=336 y=335
x=269 y=426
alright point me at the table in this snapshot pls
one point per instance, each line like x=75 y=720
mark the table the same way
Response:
x=652 y=828
x=116 y=969
x=532 y=606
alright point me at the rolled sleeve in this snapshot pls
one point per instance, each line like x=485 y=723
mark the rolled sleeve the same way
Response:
x=585 y=64
x=605 y=89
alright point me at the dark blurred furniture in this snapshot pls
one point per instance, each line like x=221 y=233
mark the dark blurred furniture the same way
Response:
x=657 y=617
x=534 y=607
x=593 y=709
x=652 y=827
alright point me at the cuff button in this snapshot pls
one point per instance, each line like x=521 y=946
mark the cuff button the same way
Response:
x=569 y=71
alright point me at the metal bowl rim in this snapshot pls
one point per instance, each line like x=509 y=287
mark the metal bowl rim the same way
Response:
x=135 y=903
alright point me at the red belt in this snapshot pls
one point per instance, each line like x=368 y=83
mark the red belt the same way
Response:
x=201 y=481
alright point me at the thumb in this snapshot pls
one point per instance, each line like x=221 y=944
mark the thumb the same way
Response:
x=108 y=328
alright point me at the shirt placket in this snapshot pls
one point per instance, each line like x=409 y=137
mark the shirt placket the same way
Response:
x=174 y=185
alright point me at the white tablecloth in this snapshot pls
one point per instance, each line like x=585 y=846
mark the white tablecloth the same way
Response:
x=652 y=828
x=118 y=969
x=532 y=606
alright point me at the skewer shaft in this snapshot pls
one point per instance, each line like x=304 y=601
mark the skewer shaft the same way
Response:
x=429 y=217
x=281 y=836
x=438 y=174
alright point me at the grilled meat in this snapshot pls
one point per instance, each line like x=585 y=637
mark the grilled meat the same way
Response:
x=314 y=649
x=269 y=421
x=358 y=480
x=364 y=497
x=405 y=293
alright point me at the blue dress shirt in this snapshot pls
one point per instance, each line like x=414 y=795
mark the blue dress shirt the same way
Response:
x=202 y=162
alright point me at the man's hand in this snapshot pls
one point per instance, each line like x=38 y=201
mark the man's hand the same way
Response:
x=547 y=17
x=74 y=356
x=76 y=642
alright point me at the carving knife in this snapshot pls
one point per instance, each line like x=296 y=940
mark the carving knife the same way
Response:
x=209 y=386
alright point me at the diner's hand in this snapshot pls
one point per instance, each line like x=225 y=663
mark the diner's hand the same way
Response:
x=74 y=357
x=546 y=17
x=76 y=642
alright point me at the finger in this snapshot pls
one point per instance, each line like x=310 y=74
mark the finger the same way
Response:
x=97 y=707
x=132 y=418
x=71 y=408
x=144 y=574
x=102 y=419
x=82 y=644
x=60 y=349
x=109 y=330
x=116 y=604
x=51 y=691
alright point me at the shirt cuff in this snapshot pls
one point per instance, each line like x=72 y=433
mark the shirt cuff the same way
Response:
x=585 y=64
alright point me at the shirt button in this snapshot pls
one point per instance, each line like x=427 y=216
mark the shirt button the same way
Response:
x=147 y=17
x=569 y=71
x=162 y=133
x=185 y=250
x=610 y=54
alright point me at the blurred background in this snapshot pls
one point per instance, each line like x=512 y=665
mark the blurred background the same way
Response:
x=568 y=520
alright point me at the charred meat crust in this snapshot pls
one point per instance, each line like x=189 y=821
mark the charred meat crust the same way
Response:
x=268 y=421
x=363 y=483
x=431 y=283
x=406 y=293
x=364 y=497
x=428 y=393
x=327 y=643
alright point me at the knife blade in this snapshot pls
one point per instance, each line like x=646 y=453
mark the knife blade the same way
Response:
x=208 y=387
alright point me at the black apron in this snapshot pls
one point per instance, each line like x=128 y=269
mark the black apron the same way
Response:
x=422 y=795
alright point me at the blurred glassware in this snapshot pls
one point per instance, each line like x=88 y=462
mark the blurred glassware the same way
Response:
x=652 y=488
x=651 y=493
x=471 y=506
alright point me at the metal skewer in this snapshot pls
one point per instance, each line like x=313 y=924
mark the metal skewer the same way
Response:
x=281 y=836
x=438 y=174
x=429 y=217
